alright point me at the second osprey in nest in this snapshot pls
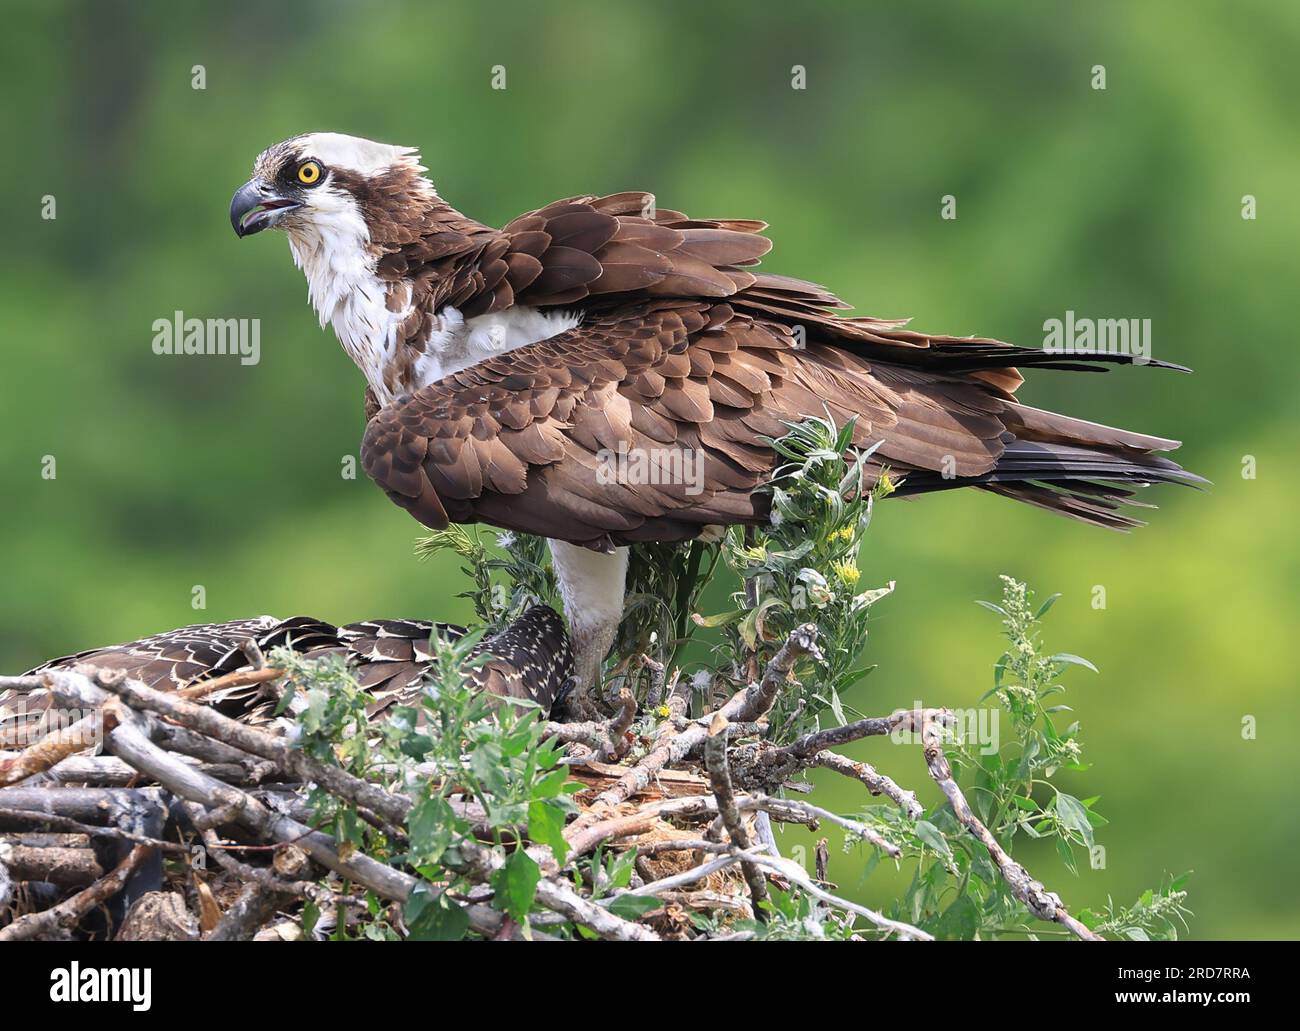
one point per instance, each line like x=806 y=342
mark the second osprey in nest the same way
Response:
x=529 y=658
x=509 y=368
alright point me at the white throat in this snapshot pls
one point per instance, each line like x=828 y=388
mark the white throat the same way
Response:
x=334 y=253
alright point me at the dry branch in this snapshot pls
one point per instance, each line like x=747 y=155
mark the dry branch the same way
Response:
x=877 y=783
x=478 y=862
x=255 y=906
x=53 y=748
x=158 y=916
x=1042 y=903
x=240 y=678
x=715 y=761
x=69 y=912
x=63 y=865
x=605 y=738
x=745 y=706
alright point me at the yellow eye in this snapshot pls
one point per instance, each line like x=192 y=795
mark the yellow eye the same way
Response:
x=309 y=173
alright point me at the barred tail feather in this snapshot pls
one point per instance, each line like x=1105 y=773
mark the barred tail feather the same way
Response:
x=1079 y=469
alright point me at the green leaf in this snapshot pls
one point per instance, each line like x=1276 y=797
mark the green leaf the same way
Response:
x=1067 y=855
x=552 y=784
x=721 y=619
x=431 y=916
x=959 y=921
x=837 y=707
x=310 y=917
x=515 y=884
x=620 y=870
x=932 y=836
x=488 y=764
x=1073 y=814
x=630 y=907
x=546 y=825
x=1042 y=609
x=850 y=678
x=430 y=825
x=1065 y=658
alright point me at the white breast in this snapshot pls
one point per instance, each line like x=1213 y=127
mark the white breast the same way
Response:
x=457 y=343
x=347 y=294
x=368 y=331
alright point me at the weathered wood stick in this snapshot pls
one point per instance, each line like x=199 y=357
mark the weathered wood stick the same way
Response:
x=715 y=761
x=746 y=705
x=45 y=753
x=1044 y=904
x=62 y=866
x=255 y=905
x=67 y=913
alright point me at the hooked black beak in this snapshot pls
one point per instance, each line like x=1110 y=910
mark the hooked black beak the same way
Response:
x=254 y=208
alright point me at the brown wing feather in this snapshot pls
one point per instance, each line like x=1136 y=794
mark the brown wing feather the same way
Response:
x=682 y=349
x=627 y=382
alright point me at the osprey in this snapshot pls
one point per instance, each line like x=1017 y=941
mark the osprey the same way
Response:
x=530 y=658
x=507 y=367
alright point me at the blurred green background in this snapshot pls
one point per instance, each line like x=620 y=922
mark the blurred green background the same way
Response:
x=175 y=472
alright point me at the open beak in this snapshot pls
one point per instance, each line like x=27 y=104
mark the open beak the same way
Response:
x=254 y=208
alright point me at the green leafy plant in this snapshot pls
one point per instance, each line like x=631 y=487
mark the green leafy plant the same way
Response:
x=473 y=765
x=505 y=581
x=803 y=567
x=956 y=890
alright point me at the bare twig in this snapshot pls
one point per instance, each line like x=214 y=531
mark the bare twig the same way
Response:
x=109 y=771
x=1042 y=903
x=255 y=905
x=877 y=783
x=204 y=820
x=67 y=913
x=822 y=859
x=797 y=875
x=715 y=761
x=758 y=699
x=606 y=738
x=132 y=745
x=257 y=742
x=240 y=678
x=686 y=877
x=56 y=746
x=807 y=813
x=831 y=737
x=658 y=673
x=67 y=865
x=744 y=706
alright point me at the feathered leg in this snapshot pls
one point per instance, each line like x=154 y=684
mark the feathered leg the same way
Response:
x=592 y=586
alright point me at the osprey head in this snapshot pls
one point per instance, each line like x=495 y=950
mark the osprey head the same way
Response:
x=323 y=186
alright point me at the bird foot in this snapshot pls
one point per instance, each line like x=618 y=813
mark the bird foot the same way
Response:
x=581 y=703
